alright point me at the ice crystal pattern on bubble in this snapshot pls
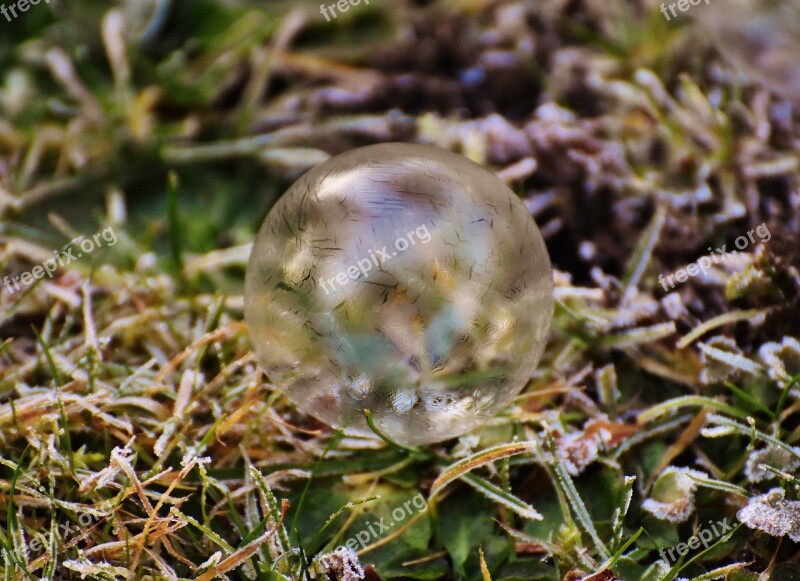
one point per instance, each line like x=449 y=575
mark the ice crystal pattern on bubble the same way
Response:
x=434 y=335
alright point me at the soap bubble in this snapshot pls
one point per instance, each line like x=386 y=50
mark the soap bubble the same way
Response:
x=760 y=37
x=403 y=279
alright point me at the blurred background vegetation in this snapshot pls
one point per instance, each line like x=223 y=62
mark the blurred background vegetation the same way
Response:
x=127 y=387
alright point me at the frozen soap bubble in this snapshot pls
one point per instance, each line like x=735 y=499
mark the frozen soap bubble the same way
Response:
x=760 y=37
x=403 y=279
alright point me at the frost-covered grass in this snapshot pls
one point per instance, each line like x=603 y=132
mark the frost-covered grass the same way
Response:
x=138 y=437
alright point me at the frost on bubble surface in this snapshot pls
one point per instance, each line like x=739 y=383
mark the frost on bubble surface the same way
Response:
x=403 y=279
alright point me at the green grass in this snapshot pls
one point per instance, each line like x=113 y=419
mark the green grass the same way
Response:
x=128 y=390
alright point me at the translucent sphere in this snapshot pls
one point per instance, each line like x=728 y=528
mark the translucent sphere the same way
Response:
x=401 y=279
x=760 y=37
